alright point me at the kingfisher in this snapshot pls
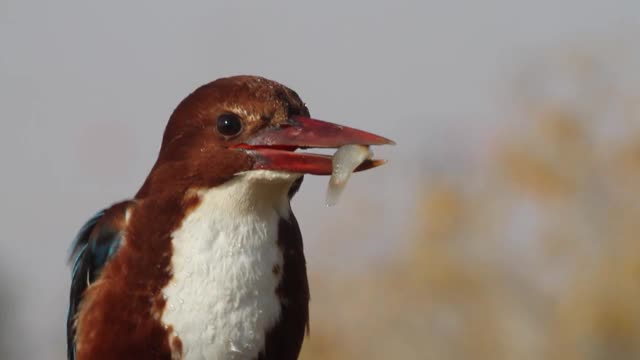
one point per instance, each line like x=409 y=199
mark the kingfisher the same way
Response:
x=206 y=260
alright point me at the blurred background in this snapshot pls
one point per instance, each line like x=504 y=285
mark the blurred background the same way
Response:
x=505 y=225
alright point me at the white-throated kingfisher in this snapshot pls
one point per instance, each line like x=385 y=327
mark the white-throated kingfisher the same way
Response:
x=206 y=260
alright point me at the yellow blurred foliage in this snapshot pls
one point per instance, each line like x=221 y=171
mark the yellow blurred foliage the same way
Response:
x=536 y=257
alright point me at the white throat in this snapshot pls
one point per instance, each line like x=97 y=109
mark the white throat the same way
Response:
x=221 y=300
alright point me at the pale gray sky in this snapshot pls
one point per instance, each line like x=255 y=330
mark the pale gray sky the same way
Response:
x=86 y=89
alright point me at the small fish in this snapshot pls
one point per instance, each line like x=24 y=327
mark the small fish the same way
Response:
x=346 y=159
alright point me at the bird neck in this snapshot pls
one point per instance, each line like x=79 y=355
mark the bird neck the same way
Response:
x=257 y=191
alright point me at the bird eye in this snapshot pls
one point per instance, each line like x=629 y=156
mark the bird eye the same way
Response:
x=229 y=124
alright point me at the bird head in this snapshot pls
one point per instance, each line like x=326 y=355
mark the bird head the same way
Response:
x=244 y=123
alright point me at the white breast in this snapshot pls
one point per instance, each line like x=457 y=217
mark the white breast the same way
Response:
x=221 y=299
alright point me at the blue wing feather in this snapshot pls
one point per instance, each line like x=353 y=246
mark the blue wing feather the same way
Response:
x=81 y=240
x=96 y=242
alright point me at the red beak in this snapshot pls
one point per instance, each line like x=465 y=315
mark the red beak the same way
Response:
x=273 y=148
